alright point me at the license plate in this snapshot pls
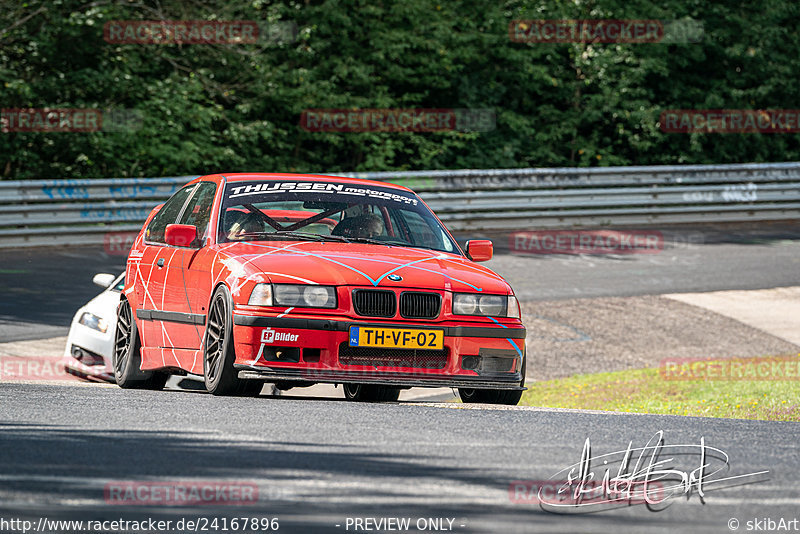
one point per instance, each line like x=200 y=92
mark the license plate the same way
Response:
x=396 y=338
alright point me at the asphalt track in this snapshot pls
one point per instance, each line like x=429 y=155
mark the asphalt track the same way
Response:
x=43 y=288
x=692 y=260
x=320 y=464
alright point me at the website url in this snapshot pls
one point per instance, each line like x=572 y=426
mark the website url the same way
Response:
x=194 y=524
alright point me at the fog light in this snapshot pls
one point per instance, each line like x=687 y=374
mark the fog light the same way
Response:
x=77 y=352
x=470 y=363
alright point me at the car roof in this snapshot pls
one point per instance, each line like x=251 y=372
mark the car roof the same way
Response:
x=243 y=177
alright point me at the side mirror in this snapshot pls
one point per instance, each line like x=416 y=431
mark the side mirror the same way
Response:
x=103 y=280
x=181 y=235
x=479 y=250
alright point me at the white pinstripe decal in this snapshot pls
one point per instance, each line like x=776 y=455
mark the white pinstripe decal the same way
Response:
x=286 y=312
x=409 y=265
x=164 y=335
x=237 y=271
x=306 y=280
x=203 y=339
x=153 y=302
x=146 y=290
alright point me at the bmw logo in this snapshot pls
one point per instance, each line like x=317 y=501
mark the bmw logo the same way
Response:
x=394 y=277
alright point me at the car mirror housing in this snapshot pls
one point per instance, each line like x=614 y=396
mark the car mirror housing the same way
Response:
x=479 y=250
x=103 y=280
x=181 y=235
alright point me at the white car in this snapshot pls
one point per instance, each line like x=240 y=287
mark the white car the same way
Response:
x=90 y=343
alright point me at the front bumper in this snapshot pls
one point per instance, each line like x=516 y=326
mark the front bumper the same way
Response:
x=316 y=350
x=87 y=353
x=77 y=368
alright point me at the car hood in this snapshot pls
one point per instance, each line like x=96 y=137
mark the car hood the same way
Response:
x=357 y=264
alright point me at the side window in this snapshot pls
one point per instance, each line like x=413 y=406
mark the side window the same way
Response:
x=167 y=215
x=198 y=211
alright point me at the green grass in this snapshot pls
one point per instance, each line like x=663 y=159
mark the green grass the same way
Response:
x=646 y=391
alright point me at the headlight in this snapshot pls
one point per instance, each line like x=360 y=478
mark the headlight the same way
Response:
x=93 y=321
x=513 y=308
x=305 y=296
x=261 y=295
x=485 y=305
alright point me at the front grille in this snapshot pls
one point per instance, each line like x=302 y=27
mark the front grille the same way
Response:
x=374 y=302
x=420 y=305
x=377 y=357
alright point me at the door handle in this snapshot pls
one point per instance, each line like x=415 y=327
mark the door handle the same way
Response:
x=160 y=262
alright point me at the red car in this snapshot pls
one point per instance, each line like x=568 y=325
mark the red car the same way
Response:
x=299 y=279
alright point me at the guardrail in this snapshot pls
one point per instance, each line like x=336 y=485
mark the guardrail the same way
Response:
x=82 y=212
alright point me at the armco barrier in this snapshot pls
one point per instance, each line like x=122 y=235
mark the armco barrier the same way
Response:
x=78 y=212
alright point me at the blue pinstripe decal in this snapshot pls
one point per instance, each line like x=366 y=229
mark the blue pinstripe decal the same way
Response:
x=508 y=338
x=387 y=273
x=372 y=281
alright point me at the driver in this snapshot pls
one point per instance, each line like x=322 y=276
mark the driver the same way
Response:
x=240 y=223
x=367 y=226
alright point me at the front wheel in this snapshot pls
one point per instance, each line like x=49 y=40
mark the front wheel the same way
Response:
x=218 y=354
x=490 y=396
x=127 y=357
x=368 y=393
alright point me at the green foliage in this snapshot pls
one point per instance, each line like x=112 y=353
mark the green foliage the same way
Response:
x=210 y=108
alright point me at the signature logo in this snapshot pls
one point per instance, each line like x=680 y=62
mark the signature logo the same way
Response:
x=268 y=335
x=394 y=277
x=639 y=475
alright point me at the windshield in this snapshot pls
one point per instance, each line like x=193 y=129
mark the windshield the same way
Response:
x=324 y=211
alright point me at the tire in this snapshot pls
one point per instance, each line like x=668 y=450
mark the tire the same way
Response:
x=221 y=378
x=127 y=357
x=368 y=393
x=490 y=396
